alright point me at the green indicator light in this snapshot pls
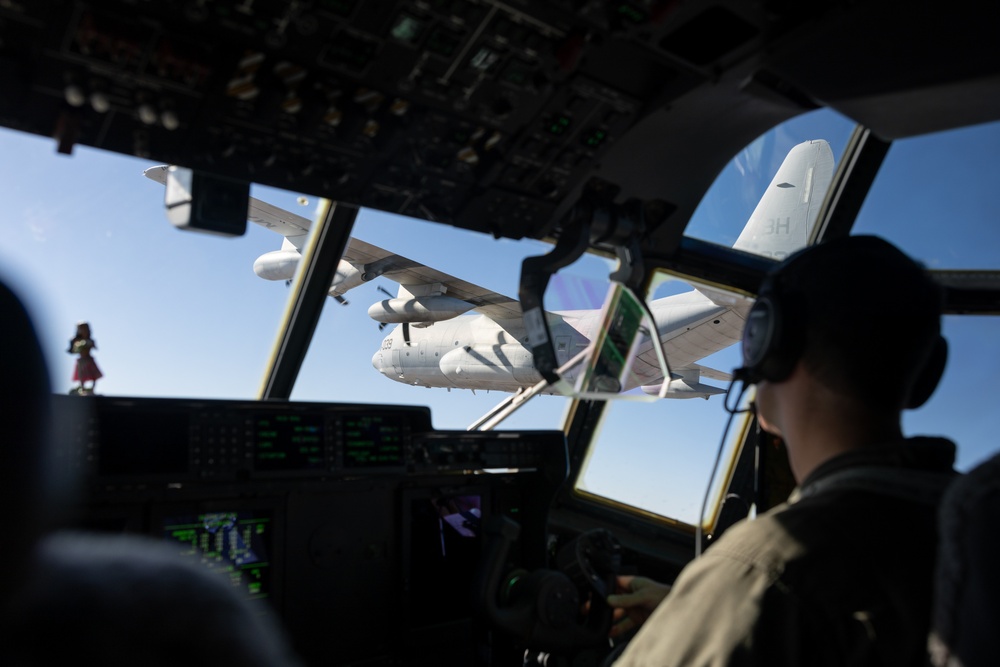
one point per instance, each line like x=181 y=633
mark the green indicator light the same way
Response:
x=559 y=125
x=595 y=138
x=630 y=13
x=407 y=29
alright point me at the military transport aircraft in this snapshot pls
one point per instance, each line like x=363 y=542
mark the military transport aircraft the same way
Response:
x=434 y=347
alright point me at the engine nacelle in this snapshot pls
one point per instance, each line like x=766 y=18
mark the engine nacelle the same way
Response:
x=418 y=309
x=277 y=265
x=346 y=278
x=282 y=265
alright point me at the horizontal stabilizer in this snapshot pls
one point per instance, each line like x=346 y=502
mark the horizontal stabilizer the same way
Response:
x=683 y=389
x=711 y=373
x=686 y=383
x=737 y=302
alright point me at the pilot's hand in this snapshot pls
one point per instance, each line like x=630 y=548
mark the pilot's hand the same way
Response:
x=633 y=602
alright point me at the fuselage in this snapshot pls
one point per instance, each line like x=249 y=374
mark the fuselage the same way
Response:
x=476 y=352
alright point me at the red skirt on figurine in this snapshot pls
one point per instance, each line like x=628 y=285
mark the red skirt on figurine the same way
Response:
x=87 y=371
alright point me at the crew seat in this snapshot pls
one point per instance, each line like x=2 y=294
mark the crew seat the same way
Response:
x=82 y=598
x=966 y=622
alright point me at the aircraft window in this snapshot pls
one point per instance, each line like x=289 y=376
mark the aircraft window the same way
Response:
x=964 y=406
x=765 y=201
x=935 y=197
x=184 y=314
x=173 y=313
x=353 y=358
x=658 y=458
x=741 y=185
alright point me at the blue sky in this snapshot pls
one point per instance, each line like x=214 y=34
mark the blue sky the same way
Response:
x=181 y=314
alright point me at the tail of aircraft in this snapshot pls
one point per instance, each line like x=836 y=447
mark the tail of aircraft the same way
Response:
x=780 y=225
x=786 y=213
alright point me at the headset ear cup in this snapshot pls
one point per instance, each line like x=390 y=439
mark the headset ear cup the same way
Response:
x=757 y=333
x=927 y=380
x=770 y=348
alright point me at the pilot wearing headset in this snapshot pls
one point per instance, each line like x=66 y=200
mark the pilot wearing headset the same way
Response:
x=843 y=337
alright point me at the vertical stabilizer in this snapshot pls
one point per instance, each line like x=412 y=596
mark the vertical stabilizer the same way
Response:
x=781 y=223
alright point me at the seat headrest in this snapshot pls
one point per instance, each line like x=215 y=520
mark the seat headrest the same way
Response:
x=25 y=397
x=967 y=584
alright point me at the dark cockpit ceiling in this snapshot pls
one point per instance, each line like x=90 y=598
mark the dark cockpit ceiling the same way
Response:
x=497 y=117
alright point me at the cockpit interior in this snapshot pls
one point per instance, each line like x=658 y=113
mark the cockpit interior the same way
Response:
x=374 y=283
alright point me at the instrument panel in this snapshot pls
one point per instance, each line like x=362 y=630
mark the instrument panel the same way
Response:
x=155 y=440
x=479 y=113
x=303 y=506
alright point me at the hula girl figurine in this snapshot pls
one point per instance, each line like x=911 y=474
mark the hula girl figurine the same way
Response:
x=86 y=368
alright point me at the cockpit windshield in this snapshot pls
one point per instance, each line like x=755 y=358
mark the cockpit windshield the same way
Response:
x=85 y=239
x=184 y=314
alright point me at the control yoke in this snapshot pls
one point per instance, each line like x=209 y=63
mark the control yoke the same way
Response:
x=545 y=609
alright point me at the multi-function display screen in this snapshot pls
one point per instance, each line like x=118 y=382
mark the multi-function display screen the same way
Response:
x=235 y=544
x=373 y=441
x=445 y=547
x=288 y=441
x=147 y=442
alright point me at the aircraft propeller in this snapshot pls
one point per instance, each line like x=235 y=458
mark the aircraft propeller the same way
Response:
x=382 y=325
x=340 y=299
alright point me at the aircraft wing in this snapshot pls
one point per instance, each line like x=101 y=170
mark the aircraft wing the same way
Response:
x=293 y=227
x=374 y=261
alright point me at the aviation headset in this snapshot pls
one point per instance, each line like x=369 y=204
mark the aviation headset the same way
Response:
x=775 y=331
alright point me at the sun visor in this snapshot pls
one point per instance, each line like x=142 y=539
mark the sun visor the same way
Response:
x=196 y=201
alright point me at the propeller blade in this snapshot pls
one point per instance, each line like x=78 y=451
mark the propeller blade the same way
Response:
x=384 y=291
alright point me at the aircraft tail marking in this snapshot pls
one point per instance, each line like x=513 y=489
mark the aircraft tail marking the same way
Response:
x=786 y=213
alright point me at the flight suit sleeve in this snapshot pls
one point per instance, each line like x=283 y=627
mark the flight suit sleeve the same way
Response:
x=709 y=618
